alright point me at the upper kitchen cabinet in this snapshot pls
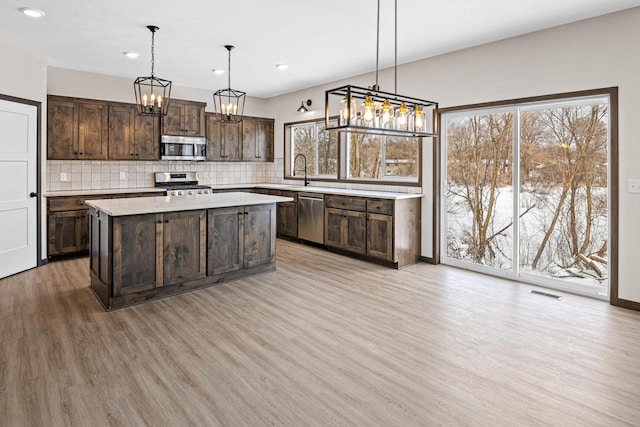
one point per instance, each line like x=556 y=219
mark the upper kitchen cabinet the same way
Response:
x=224 y=140
x=77 y=129
x=131 y=136
x=257 y=139
x=184 y=118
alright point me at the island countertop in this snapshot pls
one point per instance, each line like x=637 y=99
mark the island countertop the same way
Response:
x=145 y=205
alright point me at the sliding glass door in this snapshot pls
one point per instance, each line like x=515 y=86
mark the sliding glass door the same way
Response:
x=525 y=192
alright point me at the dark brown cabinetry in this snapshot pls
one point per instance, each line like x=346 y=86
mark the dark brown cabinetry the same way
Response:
x=76 y=129
x=287 y=215
x=346 y=230
x=240 y=238
x=131 y=136
x=383 y=229
x=257 y=139
x=81 y=129
x=224 y=140
x=184 y=118
x=184 y=251
x=68 y=232
x=138 y=242
x=138 y=258
x=68 y=222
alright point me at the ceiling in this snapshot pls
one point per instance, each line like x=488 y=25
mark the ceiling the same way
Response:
x=320 y=40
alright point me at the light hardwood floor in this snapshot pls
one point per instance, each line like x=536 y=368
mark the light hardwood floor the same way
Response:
x=325 y=340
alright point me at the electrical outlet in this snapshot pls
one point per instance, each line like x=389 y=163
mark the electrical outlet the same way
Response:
x=63 y=176
x=633 y=186
x=123 y=176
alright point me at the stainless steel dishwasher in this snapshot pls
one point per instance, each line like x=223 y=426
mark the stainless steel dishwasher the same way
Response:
x=311 y=217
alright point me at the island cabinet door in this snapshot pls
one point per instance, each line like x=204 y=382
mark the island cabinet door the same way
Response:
x=226 y=240
x=137 y=253
x=259 y=235
x=185 y=246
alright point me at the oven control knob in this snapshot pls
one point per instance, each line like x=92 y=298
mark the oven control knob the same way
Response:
x=180 y=193
x=173 y=193
x=190 y=192
x=200 y=192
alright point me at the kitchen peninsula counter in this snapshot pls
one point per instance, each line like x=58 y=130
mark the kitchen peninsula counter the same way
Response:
x=147 y=248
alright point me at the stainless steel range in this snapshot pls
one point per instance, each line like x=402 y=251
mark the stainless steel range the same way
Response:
x=181 y=183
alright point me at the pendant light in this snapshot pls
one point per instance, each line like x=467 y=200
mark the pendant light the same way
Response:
x=228 y=103
x=152 y=93
x=372 y=111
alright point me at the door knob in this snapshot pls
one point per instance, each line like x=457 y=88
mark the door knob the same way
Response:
x=33 y=194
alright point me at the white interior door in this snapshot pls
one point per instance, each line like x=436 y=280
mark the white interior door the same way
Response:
x=18 y=207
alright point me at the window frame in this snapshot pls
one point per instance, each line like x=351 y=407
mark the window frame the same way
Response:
x=342 y=175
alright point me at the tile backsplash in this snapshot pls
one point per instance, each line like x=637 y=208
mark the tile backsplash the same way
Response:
x=102 y=175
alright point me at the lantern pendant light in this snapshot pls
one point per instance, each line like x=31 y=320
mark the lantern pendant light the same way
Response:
x=228 y=103
x=152 y=93
x=372 y=111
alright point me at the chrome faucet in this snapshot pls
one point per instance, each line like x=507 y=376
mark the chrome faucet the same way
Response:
x=306 y=180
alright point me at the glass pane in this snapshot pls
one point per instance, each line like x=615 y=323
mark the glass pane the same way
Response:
x=365 y=156
x=401 y=158
x=479 y=189
x=327 y=151
x=564 y=198
x=304 y=142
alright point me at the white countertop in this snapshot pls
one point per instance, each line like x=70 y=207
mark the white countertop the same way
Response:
x=308 y=189
x=104 y=191
x=146 y=205
x=339 y=191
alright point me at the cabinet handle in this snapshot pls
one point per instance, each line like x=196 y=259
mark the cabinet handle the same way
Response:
x=159 y=221
x=132 y=154
x=166 y=221
x=33 y=194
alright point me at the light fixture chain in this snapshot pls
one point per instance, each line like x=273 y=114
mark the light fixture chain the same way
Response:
x=395 y=67
x=229 y=73
x=377 y=44
x=153 y=38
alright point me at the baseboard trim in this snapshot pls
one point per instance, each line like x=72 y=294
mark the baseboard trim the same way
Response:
x=427 y=260
x=624 y=303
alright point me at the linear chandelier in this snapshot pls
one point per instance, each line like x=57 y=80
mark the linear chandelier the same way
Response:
x=152 y=93
x=228 y=104
x=372 y=111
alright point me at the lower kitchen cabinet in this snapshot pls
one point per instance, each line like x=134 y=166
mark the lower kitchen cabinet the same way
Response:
x=68 y=222
x=240 y=238
x=387 y=230
x=346 y=230
x=68 y=232
x=184 y=236
x=157 y=250
x=380 y=236
x=137 y=245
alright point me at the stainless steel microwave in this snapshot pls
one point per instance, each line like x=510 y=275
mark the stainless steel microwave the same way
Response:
x=183 y=147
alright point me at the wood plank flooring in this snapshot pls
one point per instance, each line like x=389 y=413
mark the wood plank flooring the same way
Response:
x=325 y=340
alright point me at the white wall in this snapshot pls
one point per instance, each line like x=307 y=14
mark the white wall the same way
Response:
x=595 y=53
x=23 y=74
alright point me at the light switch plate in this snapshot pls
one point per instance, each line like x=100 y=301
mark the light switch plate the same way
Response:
x=123 y=176
x=633 y=186
x=63 y=176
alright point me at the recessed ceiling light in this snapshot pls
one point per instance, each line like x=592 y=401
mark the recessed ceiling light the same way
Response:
x=282 y=67
x=218 y=71
x=131 y=55
x=31 y=12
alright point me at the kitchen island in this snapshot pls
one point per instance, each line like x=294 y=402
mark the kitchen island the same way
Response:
x=142 y=249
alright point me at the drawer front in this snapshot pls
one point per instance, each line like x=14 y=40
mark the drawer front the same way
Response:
x=292 y=194
x=348 y=203
x=59 y=204
x=380 y=206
